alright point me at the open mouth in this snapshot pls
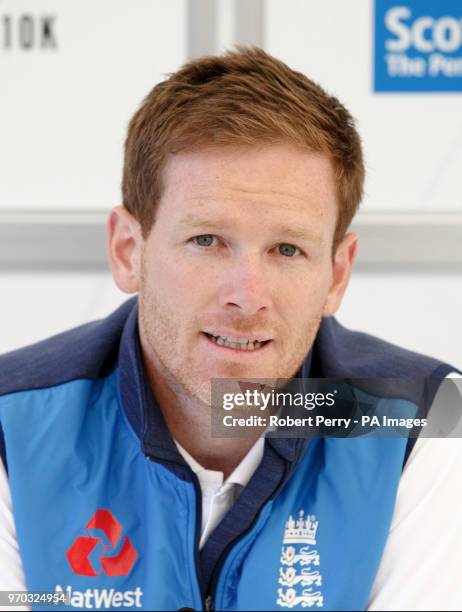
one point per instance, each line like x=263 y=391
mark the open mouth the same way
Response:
x=243 y=345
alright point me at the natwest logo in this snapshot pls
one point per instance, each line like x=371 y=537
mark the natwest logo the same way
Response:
x=103 y=549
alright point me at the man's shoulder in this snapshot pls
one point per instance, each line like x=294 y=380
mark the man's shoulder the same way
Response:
x=348 y=353
x=87 y=351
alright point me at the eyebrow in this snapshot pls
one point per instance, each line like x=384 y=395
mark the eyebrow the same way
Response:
x=297 y=233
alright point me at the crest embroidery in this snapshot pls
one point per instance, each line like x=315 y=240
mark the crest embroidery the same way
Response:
x=299 y=559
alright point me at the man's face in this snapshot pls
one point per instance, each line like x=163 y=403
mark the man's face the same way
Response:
x=240 y=249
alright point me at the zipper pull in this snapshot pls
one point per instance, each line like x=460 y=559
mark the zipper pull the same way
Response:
x=209 y=603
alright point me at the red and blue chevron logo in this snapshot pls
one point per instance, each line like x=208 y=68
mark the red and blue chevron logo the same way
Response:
x=103 y=549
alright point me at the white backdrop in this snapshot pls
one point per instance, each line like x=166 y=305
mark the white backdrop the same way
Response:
x=65 y=101
x=64 y=109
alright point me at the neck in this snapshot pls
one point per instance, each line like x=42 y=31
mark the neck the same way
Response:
x=189 y=422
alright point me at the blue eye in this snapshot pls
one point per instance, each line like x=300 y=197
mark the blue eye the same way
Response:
x=204 y=240
x=288 y=250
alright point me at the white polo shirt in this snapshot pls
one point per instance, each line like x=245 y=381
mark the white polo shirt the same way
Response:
x=218 y=495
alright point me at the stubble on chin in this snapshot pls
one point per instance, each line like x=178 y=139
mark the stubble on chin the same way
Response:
x=186 y=377
x=169 y=363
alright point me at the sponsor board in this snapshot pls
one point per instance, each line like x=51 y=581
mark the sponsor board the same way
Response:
x=418 y=46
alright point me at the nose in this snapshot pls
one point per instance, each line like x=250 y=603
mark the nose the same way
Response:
x=245 y=287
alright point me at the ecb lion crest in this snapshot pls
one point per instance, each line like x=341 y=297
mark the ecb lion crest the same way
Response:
x=299 y=561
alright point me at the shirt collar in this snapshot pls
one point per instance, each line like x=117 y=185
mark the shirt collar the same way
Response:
x=240 y=475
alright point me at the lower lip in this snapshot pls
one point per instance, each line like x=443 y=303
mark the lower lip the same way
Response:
x=238 y=352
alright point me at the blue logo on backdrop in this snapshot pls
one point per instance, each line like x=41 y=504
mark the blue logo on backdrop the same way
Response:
x=418 y=45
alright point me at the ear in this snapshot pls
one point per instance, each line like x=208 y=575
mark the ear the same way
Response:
x=124 y=249
x=341 y=271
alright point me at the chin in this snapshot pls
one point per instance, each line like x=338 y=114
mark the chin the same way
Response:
x=202 y=394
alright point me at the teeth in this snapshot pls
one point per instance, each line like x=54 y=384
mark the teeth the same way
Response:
x=239 y=340
x=236 y=343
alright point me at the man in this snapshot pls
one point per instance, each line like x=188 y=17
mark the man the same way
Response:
x=241 y=178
